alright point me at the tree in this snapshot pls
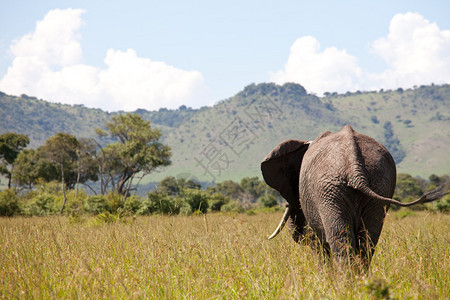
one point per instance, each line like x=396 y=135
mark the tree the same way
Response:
x=25 y=172
x=138 y=149
x=11 y=144
x=9 y=203
x=435 y=180
x=174 y=186
x=253 y=187
x=87 y=162
x=31 y=166
x=112 y=166
x=217 y=201
x=268 y=201
x=197 y=199
x=61 y=149
x=107 y=162
x=408 y=186
x=228 y=188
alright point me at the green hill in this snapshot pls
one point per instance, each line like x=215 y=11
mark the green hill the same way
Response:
x=40 y=119
x=228 y=140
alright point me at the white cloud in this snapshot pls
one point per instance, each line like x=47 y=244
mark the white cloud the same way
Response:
x=319 y=71
x=134 y=82
x=47 y=64
x=415 y=51
x=50 y=46
x=55 y=41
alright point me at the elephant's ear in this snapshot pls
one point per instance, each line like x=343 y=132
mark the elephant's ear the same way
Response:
x=281 y=168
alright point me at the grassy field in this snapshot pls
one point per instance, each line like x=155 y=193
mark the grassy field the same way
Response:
x=212 y=256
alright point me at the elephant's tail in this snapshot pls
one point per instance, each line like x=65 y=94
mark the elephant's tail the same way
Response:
x=427 y=197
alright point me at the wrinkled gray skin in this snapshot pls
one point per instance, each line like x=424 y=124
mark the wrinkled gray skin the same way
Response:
x=345 y=182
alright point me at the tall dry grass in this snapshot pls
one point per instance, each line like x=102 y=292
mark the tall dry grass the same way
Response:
x=212 y=256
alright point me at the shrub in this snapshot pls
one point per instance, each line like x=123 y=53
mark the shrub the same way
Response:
x=9 y=203
x=232 y=206
x=184 y=208
x=132 y=204
x=158 y=203
x=197 y=199
x=52 y=187
x=442 y=205
x=105 y=217
x=42 y=205
x=114 y=202
x=268 y=201
x=96 y=204
x=228 y=188
x=75 y=204
x=216 y=201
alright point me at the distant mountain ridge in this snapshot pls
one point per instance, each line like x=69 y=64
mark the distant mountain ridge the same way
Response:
x=40 y=119
x=229 y=139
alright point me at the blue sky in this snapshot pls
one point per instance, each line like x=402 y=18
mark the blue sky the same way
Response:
x=124 y=55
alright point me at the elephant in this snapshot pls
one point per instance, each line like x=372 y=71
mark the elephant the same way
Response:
x=339 y=187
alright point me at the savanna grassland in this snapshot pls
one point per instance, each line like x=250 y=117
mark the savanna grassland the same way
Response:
x=218 y=256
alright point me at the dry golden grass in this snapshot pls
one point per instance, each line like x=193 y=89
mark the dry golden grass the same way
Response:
x=211 y=256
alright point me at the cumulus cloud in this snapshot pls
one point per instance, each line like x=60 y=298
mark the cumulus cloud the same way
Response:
x=47 y=64
x=51 y=46
x=319 y=71
x=148 y=83
x=415 y=51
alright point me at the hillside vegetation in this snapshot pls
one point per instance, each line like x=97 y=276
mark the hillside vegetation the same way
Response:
x=229 y=140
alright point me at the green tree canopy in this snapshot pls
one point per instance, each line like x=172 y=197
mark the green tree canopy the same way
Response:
x=87 y=164
x=138 y=149
x=61 y=149
x=26 y=171
x=253 y=187
x=174 y=186
x=228 y=188
x=408 y=186
x=11 y=144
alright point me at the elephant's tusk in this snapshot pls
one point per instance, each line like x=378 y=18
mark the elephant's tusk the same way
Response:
x=283 y=221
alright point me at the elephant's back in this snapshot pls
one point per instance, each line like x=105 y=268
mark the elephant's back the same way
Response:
x=348 y=156
x=379 y=165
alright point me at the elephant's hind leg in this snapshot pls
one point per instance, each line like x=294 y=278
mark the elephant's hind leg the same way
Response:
x=369 y=232
x=340 y=236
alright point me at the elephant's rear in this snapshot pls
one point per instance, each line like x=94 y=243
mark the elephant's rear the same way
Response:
x=379 y=165
x=348 y=158
x=335 y=173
